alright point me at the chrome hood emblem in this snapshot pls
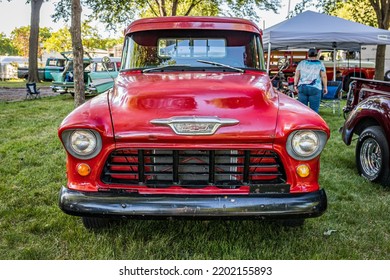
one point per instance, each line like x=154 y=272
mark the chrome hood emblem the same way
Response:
x=194 y=125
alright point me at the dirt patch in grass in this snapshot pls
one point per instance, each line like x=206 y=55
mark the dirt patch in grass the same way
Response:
x=17 y=94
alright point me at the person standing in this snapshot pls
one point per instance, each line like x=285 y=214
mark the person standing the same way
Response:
x=310 y=80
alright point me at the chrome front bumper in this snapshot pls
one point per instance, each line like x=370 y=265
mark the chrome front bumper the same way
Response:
x=272 y=206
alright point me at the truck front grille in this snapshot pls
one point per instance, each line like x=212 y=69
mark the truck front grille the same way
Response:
x=193 y=168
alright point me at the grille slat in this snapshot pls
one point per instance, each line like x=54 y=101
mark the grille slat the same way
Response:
x=193 y=168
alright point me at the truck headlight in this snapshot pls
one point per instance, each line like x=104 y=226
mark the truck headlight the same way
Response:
x=82 y=143
x=306 y=144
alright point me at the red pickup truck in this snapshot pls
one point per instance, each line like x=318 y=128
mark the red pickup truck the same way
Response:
x=367 y=115
x=193 y=128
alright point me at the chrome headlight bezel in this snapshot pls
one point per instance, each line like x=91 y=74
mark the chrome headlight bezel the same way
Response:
x=306 y=144
x=89 y=146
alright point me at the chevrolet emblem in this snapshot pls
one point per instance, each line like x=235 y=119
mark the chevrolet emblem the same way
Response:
x=194 y=125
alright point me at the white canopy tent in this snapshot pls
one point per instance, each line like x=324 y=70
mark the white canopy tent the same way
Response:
x=316 y=30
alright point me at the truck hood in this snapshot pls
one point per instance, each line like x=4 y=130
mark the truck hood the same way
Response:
x=195 y=106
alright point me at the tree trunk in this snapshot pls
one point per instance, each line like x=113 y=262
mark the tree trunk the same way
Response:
x=174 y=7
x=380 y=62
x=33 y=41
x=78 y=54
x=382 y=10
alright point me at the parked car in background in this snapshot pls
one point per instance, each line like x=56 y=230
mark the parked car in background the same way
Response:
x=193 y=128
x=102 y=74
x=63 y=81
x=53 y=65
x=368 y=116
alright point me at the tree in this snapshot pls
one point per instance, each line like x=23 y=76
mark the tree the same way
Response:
x=59 y=41
x=92 y=38
x=33 y=41
x=370 y=12
x=358 y=11
x=78 y=53
x=382 y=11
x=20 y=39
x=6 y=46
x=114 y=12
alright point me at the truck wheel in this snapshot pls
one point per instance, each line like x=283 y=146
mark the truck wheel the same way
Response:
x=95 y=223
x=387 y=76
x=372 y=156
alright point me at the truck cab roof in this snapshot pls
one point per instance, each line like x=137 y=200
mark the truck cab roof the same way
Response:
x=182 y=22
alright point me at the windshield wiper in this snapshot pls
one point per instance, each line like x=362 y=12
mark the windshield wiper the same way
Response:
x=220 y=65
x=163 y=67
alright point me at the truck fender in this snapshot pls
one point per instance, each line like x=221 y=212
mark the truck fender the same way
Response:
x=369 y=112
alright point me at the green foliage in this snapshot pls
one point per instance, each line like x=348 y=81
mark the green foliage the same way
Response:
x=119 y=13
x=326 y=6
x=59 y=41
x=32 y=168
x=92 y=39
x=207 y=8
x=20 y=39
x=355 y=10
x=6 y=46
x=248 y=9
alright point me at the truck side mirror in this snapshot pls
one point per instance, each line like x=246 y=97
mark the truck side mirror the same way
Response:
x=283 y=63
x=106 y=61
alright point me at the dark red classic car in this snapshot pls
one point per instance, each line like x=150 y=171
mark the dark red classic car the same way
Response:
x=368 y=115
x=193 y=128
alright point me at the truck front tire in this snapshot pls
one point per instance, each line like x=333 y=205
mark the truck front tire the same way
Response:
x=372 y=156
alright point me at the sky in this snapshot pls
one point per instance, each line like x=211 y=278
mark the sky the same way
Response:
x=17 y=14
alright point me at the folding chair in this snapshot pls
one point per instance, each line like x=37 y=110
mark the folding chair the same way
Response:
x=333 y=98
x=32 y=91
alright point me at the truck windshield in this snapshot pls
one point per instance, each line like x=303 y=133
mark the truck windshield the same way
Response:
x=151 y=49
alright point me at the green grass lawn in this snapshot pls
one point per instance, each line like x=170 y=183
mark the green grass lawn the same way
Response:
x=32 y=170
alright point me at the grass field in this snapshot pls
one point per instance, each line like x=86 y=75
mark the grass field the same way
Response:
x=32 y=170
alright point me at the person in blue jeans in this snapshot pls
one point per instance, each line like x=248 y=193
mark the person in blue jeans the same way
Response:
x=310 y=80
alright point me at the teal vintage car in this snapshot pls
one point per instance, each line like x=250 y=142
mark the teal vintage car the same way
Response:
x=103 y=72
x=63 y=81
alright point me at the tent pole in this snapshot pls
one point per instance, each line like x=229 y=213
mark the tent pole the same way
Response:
x=334 y=64
x=360 y=60
x=268 y=57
